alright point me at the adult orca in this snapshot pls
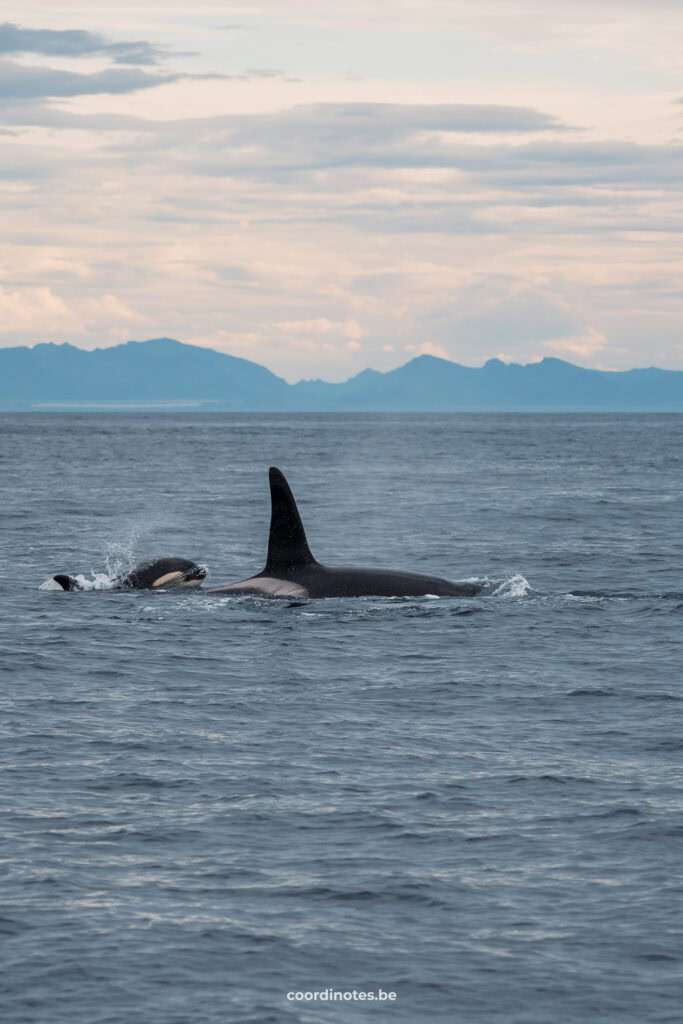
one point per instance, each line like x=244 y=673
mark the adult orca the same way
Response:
x=162 y=572
x=292 y=571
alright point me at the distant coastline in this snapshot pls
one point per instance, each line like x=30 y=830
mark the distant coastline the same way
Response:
x=165 y=375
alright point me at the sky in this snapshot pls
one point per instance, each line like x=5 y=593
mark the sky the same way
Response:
x=322 y=186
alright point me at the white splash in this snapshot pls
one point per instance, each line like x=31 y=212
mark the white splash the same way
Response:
x=515 y=586
x=99 y=581
x=120 y=554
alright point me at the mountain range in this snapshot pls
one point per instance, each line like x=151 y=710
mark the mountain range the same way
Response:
x=167 y=374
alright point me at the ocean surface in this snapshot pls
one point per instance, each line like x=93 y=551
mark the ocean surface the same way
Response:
x=474 y=804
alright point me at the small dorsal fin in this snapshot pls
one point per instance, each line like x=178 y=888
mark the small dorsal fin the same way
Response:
x=287 y=544
x=66 y=582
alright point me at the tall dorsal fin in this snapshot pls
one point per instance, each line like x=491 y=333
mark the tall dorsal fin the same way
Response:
x=287 y=544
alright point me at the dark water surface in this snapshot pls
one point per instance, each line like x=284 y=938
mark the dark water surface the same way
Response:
x=209 y=802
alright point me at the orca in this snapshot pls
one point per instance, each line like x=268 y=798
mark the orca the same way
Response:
x=292 y=571
x=160 y=573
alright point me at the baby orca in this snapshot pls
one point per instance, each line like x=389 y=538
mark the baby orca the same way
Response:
x=292 y=571
x=162 y=572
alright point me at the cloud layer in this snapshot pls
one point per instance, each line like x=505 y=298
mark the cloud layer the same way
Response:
x=14 y=39
x=321 y=221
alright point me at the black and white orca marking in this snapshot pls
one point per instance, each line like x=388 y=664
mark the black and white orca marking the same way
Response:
x=162 y=573
x=292 y=571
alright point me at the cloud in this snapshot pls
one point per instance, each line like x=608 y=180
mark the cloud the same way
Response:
x=476 y=186
x=295 y=141
x=321 y=326
x=428 y=348
x=74 y=43
x=312 y=143
x=39 y=312
x=585 y=346
x=21 y=82
x=369 y=134
x=401 y=119
x=505 y=312
x=515 y=313
x=265 y=73
x=318 y=144
x=30 y=309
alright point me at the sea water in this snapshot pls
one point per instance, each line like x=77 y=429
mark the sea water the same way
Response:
x=215 y=809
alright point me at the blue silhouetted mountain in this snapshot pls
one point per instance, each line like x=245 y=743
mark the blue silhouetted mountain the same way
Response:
x=168 y=374
x=431 y=384
x=159 y=371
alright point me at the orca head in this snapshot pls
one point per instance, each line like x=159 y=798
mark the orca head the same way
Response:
x=165 y=573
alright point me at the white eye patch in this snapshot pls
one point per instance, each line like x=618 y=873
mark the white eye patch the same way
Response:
x=170 y=577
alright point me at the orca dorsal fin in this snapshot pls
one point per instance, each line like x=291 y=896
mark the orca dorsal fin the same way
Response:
x=66 y=582
x=287 y=544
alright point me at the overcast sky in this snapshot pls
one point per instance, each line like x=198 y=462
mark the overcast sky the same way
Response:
x=325 y=185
